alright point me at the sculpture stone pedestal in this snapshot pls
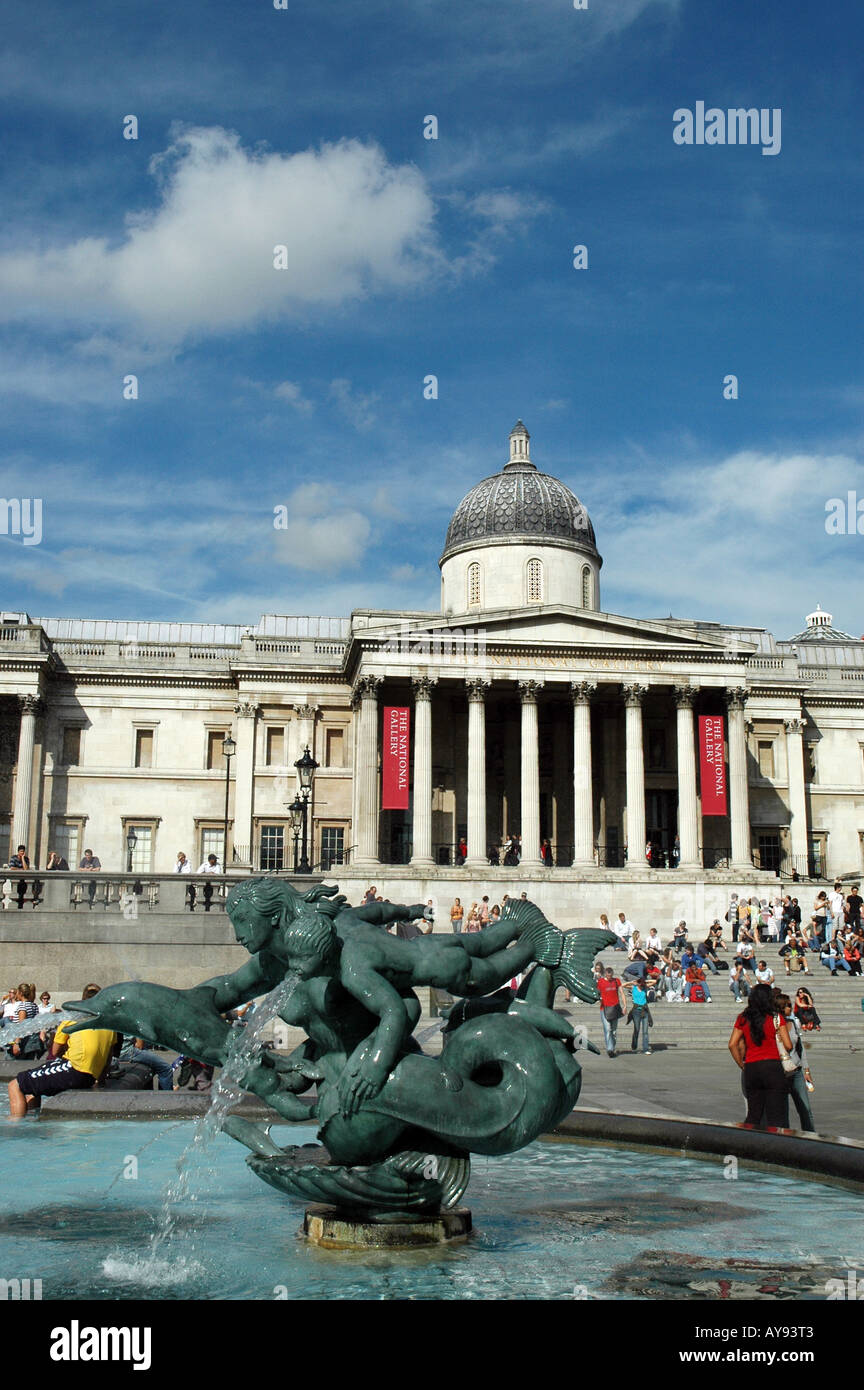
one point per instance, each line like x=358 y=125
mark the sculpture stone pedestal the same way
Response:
x=334 y=1229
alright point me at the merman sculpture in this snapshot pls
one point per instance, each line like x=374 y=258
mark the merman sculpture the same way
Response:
x=396 y=1126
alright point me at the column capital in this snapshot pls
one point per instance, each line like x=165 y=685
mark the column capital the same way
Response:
x=528 y=691
x=581 y=691
x=247 y=709
x=477 y=688
x=30 y=704
x=634 y=693
x=685 y=695
x=367 y=687
x=423 y=686
x=736 y=697
x=305 y=711
x=793 y=726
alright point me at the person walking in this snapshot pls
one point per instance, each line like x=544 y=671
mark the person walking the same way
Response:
x=611 y=1012
x=640 y=1016
x=753 y=1045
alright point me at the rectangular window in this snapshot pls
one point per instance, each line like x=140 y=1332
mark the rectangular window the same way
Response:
x=71 y=754
x=335 y=748
x=215 y=756
x=66 y=841
x=809 y=762
x=272 y=847
x=275 y=747
x=332 y=846
x=212 y=842
x=143 y=747
x=766 y=758
x=769 y=853
x=5 y=837
x=656 y=748
x=142 y=854
x=818 y=855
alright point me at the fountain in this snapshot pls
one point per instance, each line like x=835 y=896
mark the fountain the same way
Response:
x=396 y=1128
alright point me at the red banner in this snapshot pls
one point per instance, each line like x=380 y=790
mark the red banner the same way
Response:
x=394 y=762
x=712 y=764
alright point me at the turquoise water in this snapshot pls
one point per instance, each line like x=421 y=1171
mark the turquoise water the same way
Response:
x=554 y=1221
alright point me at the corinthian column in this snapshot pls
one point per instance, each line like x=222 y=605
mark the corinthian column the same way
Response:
x=633 y=696
x=29 y=705
x=738 y=789
x=477 y=846
x=530 y=775
x=367 y=772
x=688 y=809
x=583 y=793
x=244 y=777
x=422 y=809
x=797 y=799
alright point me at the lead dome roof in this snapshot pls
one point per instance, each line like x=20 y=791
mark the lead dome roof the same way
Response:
x=519 y=503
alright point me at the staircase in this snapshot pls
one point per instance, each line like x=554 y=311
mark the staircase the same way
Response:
x=686 y=1026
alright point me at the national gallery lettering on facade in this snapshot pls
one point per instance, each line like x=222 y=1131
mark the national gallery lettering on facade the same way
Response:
x=531 y=712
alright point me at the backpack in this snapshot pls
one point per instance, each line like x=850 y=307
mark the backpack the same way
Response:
x=697 y=992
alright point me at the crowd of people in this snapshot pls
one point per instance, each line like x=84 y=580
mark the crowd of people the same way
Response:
x=766 y=1039
x=67 y=1061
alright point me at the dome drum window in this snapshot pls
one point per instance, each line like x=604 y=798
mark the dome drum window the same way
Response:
x=534 y=581
x=474 y=585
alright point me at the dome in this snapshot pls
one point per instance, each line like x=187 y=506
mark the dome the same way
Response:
x=520 y=503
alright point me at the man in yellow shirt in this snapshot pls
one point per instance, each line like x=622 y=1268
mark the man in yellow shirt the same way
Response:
x=78 y=1061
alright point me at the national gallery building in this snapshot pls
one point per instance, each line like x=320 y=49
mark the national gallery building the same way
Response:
x=523 y=708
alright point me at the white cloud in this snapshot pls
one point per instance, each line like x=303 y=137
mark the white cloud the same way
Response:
x=355 y=406
x=292 y=393
x=319 y=532
x=202 y=260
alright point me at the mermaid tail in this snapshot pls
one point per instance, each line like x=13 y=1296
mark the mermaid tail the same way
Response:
x=535 y=929
x=569 y=955
x=578 y=949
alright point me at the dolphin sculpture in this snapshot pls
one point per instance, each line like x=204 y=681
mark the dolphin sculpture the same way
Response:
x=186 y=1020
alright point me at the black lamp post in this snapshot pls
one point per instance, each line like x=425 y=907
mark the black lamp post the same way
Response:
x=131 y=842
x=306 y=769
x=228 y=749
x=295 y=812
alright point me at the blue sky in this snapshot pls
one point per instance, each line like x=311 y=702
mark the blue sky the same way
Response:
x=304 y=387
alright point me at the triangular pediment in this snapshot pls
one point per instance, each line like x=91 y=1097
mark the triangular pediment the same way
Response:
x=553 y=626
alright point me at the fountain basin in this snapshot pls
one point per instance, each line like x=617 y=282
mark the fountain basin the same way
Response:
x=79 y=1202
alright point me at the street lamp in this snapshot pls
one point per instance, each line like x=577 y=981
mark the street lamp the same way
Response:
x=131 y=842
x=295 y=812
x=229 y=748
x=306 y=771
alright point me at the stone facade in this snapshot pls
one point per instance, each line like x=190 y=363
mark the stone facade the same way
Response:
x=532 y=712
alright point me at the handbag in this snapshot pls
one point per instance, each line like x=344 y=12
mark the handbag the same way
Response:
x=789 y=1063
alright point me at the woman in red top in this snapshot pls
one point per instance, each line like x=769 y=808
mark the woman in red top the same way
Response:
x=753 y=1044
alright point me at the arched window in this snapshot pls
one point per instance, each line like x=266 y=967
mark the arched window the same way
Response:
x=474 y=585
x=586 y=587
x=534 y=581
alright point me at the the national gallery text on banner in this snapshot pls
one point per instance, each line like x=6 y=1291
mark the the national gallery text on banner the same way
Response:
x=712 y=764
x=395 y=754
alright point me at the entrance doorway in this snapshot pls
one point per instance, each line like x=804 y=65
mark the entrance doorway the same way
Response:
x=661 y=826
